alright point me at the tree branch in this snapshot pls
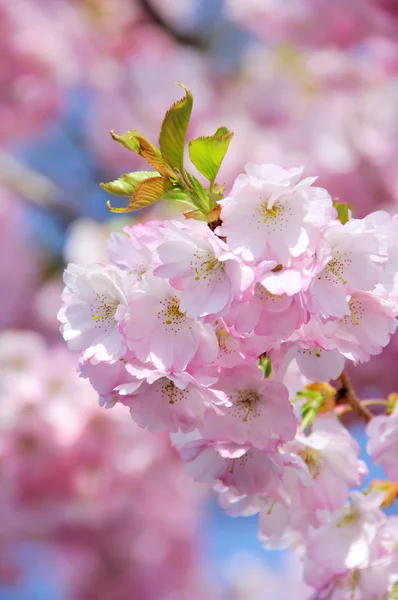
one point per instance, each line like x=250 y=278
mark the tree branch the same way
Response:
x=353 y=399
x=182 y=37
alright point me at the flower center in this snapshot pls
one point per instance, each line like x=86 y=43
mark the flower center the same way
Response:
x=275 y=217
x=103 y=310
x=351 y=517
x=312 y=459
x=265 y=295
x=247 y=405
x=205 y=265
x=223 y=338
x=334 y=270
x=170 y=391
x=140 y=270
x=356 y=315
x=242 y=461
x=170 y=314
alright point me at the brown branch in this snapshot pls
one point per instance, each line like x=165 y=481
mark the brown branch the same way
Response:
x=182 y=37
x=353 y=399
x=33 y=186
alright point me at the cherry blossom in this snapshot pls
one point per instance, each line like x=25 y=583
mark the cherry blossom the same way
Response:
x=383 y=442
x=333 y=463
x=247 y=470
x=259 y=414
x=274 y=214
x=94 y=298
x=209 y=276
x=344 y=542
x=165 y=401
x=157 y=330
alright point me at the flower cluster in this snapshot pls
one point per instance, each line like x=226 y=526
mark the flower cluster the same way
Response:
x=71 y=478
x=175 y=325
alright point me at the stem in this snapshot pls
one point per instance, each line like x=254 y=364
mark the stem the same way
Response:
x=182 y=37
x=353 y=399
x=33 y=186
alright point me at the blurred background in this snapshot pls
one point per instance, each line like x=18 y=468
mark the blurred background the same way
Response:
x=91 y=507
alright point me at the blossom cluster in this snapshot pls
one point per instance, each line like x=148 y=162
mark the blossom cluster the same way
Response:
x=71 y=478
x=175 y=325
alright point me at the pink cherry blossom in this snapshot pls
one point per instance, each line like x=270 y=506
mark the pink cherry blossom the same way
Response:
x=315 y=354
x=199 y=264
x=367 y=329
x=274 y=214
x=128 y=252
x=93 y=298
x=107 y=379
x=260 y=413
x=332 y=460
x=157 y=330
x=382 y=432
x=290 y=280
x=247 y=470
x=352 y=261
x=275 y=317
x=344 y=542
x=164 y=401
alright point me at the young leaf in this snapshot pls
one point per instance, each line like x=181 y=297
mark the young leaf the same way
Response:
x=207 y=153
x=146 y=193
x=134 y=141
x=344 y=211
x=195 y=214
x=128 y=140
x=174 y=129
x=177 y=194
x=126 y=184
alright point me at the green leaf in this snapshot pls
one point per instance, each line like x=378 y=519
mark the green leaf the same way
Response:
x=128 y=140
x=146 y=193
x=174 y=129
x=134 y=141
x=178 y=195
x=198 y=215
x=207 y=153
x=126 y=184
x=344 y=211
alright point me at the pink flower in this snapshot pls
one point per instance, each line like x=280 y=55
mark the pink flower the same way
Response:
x=161 y=401
x=261 y=414
x=93 y=299
x=314 y=349
x=247 y=470
x=230 y=345
x=275 y=317
x=285 y=520
x=128 y=252
x=199 y=264
x=367 y=329
x=107 y=378
x=332 y=460
x=382 y=432
x=274 y=214
x=157 y=330
x=344 y=542
x=351 y=260
x=289 y=280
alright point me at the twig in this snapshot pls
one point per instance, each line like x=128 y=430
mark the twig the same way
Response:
x=353 y=399
x=31 y=185
x=182 y=37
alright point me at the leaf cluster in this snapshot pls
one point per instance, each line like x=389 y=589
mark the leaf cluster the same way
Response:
x=169 y=179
